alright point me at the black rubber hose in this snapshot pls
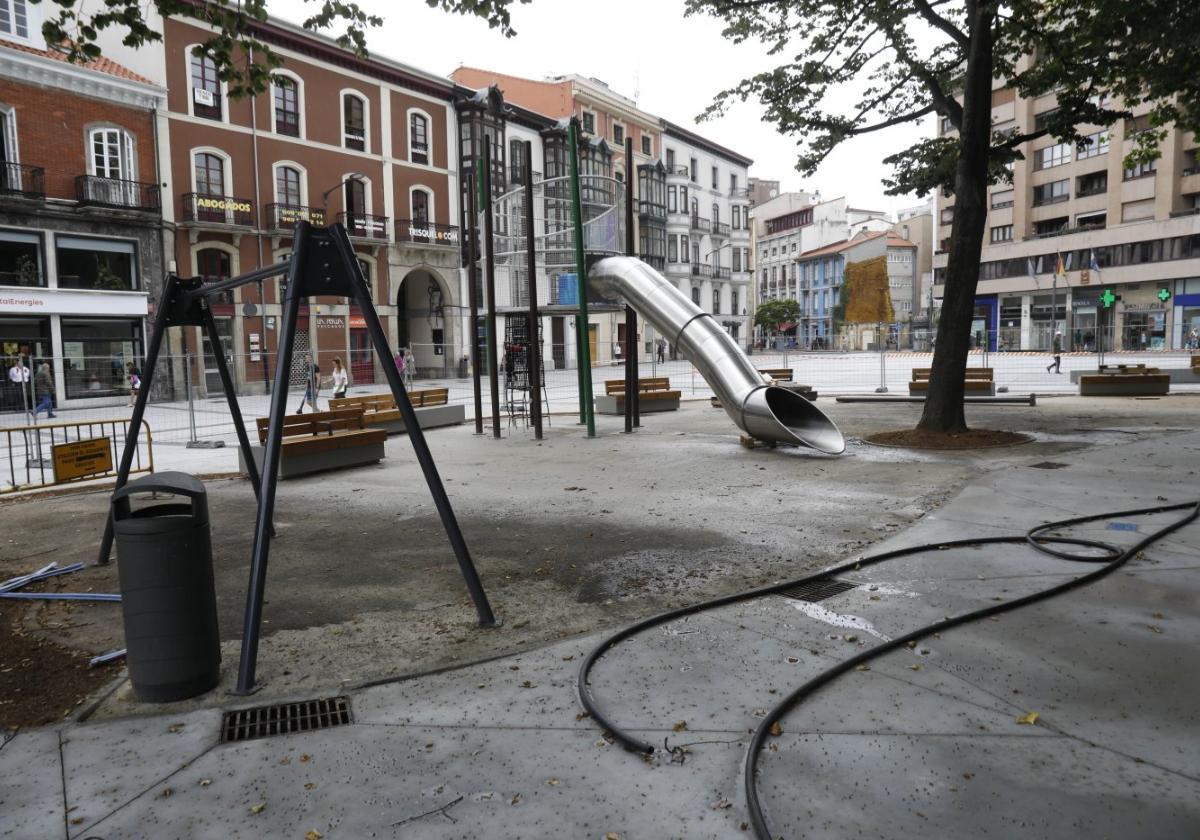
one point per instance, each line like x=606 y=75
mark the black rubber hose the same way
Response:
x=1111 y=557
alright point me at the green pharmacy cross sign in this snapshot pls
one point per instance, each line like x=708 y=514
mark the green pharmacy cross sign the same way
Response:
x=1108 y=298
x=1164 y=295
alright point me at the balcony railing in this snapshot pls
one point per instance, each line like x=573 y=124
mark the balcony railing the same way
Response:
x=721 y=272
x=1084 y=193
x=701 y=270
x=1053 y=199
x=701 y=224
x=720 y=229
x=739 y=192
x=1001 y=205
x=23 y=180
x=199 y=208
x=283 y=217
x=364 y=225
x=118 y=193
x=1191 y=170
x=679 y=171
x=426 y=233
x=652 y=210
x=1063 y=231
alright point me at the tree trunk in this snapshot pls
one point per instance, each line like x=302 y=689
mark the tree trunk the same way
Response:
x=943 y=410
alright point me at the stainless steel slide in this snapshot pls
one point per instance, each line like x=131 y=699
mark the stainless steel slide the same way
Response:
x=763 y=411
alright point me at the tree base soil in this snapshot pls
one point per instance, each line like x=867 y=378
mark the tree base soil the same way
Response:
x=968 y=439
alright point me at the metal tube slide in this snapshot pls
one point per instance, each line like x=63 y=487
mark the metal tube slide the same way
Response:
x=763 y=411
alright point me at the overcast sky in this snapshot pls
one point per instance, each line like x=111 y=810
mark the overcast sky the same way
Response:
x=643 y=49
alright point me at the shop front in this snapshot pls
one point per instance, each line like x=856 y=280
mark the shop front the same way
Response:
x=985 y=323
x=1085 y=306
x=1143 y=319
x=1185 y=333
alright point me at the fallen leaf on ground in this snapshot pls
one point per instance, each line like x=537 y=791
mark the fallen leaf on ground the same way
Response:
x=1155 y=628
x=721 y=804
x=258 y=809
x=552 y=782
x=516 y=799
x=309 y=785
x=1030 y=718
x=612 y=835
x=76 y=820
x=863 y=668
x=313 y=834
x=679 y=726
x=167 y=792
x=776 y=729
x=583 y=715
x=304 y=759
x=205 y=782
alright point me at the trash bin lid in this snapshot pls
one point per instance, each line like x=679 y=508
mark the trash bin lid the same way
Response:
x=176 y=483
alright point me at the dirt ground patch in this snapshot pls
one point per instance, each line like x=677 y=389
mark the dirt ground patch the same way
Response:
x=970 y=439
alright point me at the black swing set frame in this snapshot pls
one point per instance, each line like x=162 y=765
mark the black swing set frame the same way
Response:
x=322 y=263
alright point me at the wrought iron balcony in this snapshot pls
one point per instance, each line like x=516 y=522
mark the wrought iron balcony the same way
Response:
x=364 y=225
x=721 y=272
x=20 y=179
x=283 y=217
x=720 y=229
x=426 y=233
x=701 y=270
x=679 y=171
x=117 y=193
x=199 y=208
x=739 y=192
x=701 y=224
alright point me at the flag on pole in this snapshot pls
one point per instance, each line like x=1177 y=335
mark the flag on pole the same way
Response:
x=1093 y=265
x=1059 y=269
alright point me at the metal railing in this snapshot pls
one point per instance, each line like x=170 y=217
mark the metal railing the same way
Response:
x=36 y=458
x=201 y=208
x=118 y=193
x=720 y=272
x=365 y=225
x=701 y=270
x=701 y=224
x=22 y=179
x=739 y=192
x=720 y=229
x=283 y=217
x=426 y=233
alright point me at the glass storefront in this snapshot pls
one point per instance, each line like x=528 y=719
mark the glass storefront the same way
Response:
x=1189 y=322
x=21 y=259
x=1144 y=330
x=104 y=264
x=22 y=341
x=95 y=354
x=1045 y=318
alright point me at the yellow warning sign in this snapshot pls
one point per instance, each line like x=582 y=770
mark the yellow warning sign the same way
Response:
x=81 y=458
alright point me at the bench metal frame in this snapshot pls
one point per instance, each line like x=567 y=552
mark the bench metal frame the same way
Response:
x=322 y=263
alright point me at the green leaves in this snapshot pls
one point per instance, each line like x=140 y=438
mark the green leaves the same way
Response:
x=772 y=313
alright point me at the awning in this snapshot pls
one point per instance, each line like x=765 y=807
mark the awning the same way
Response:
x=358 y=322
x=789 y=325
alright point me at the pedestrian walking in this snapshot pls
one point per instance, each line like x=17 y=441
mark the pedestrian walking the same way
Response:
x=662 y=349
x=1057 y=351
x=312 y=385
x=18 y=377
x=43 y=385
x=410 y=366
x=135 y=381
x=341 y=379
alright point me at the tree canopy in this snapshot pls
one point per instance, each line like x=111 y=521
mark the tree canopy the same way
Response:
x=770 y=314
x=77 y=26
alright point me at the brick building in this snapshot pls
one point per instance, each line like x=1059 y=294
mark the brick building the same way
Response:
x=81 y=247
x=365 y=141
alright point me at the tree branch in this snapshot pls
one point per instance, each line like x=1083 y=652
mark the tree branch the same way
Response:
x=941 y=23
x=834 y=126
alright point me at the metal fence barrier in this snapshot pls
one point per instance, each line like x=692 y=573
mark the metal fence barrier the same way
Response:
x=69 y=451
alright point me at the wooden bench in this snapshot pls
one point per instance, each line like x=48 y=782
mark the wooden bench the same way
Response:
x=778 y=374
x=1125 y=381
x=974 y=380
x=1196 y=364
x=432 y=406
x=654 y=394
x=322 y=440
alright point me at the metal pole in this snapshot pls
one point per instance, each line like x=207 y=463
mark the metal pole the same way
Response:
x=270 y=472
x=214 y=339
x=882 y=389
x=489 y=267
x=187 y=386
x=415 y=434
x=139 y=408
x=473 y=293
x=631 y=377
x=587 y=414
x=535 y=345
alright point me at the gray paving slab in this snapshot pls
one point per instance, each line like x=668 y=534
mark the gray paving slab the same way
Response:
x=31 y=787
x=935 y=786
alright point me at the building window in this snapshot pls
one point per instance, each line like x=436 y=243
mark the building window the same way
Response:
x=1052 y=156
x=356 y=197
x=1043 y=119
x=737 y=300
x=516 y=161
x=1003 y=233
x=716 y=217
x=95 y=353
x=695 y=170
x=715 y=179
x=287 y=106
x=1050 y=226
x=14 y=18
x=716 y=301
x=1093 y=146
x=684 y=247
x=1051 y=193
x=619 y=134
x=589 y=122
x=737 y=260
x=733 y=183
x=112 y=154
x=206 y=88
x=287 y=186
x=737 y=217
x=1094 y=183
x=1136 y=211
x=683 y=199
x=102 y=264
x=1136 y=125
x=210 y=175
x=1141 y=170
x=1091 y=220
x=696 y=295
x=418 y=138
x=212 y=266
x=354 y=122
x=646 y=145
x=21 y=259
x=671 y=205
x=670 y=159
x=420 y=207
x=673 y=249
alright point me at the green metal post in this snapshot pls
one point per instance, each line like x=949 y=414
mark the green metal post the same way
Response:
x=586 y=412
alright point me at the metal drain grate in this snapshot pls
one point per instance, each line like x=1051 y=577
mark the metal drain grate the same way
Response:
x=818 y=590
x=282 y=718
x=1048 y=465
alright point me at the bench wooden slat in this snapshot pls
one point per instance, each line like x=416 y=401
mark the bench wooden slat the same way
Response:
x=987 y=374
x=968 y=385
x=384 y=404
x=778 y=374
x=616 y=387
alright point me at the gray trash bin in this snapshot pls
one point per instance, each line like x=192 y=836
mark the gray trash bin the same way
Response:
x=164 y=557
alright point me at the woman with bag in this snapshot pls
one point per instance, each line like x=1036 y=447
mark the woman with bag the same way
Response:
x=135 y=381
x=341 y=381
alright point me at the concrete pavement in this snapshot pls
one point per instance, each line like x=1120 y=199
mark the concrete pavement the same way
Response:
x=924 y=743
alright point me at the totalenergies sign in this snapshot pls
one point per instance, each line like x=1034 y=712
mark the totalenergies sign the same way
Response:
x=217 y=202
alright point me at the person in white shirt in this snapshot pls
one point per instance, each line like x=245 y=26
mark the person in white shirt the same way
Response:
x=18 y=373
x=341 y=381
